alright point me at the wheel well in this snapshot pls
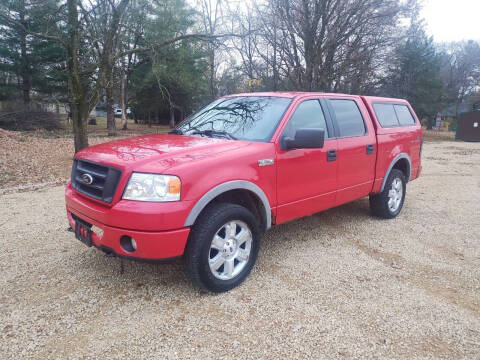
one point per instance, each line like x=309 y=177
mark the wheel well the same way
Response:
x=403 y=166
x=245 y=198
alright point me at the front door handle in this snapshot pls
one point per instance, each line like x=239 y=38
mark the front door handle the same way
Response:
x=331 y=155
x=370 y=149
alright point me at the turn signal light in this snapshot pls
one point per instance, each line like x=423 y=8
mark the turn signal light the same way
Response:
x=174 y=186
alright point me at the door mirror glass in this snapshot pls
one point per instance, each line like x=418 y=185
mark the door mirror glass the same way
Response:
x=304 y=139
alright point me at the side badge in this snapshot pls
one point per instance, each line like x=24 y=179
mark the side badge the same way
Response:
x=265 y=162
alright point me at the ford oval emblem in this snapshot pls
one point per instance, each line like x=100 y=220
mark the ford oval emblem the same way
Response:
x=87 y=179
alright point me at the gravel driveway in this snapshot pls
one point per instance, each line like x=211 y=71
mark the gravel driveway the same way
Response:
x=339 y=284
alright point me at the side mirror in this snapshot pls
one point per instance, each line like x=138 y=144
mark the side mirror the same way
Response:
x=304 y=139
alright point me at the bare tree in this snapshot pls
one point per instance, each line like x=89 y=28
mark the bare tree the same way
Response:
x=88 y=64
x=211 y=13
x=323 y=44
x=88 y=31
x=245 y=23
x=461 y=71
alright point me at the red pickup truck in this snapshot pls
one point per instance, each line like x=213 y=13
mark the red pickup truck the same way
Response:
x=209 y=189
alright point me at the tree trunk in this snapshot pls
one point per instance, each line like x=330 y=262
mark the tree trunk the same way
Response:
x=78 y=111
x=79 y=123
x=111 y=126
x=309 y=65
x=172 y=117
x=274 y=67
x=211 y=80
x=457 y=109
x=24 y=68
x=123 y=95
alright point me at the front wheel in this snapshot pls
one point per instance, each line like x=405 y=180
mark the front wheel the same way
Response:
x=389 y=202
x=223 y=247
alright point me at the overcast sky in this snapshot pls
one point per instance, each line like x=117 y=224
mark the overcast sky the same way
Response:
x=451 y=20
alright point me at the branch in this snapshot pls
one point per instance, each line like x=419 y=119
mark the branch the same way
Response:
x=201 y=37
x=38 y=35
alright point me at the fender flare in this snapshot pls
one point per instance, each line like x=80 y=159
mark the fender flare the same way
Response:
x=224 y=187
x=392 y=164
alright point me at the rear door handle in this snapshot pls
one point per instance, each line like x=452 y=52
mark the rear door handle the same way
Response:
x=370 y=149
x=331 y=155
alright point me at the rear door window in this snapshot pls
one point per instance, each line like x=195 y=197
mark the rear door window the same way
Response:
x=386 y=115
x=349 y=119
x=405 y=118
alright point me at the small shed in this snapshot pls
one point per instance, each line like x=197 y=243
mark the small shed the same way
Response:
x=468 y=127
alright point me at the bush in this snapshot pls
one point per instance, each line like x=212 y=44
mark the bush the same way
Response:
x=18 y=117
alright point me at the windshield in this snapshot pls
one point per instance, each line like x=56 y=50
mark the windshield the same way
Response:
x=252 y=118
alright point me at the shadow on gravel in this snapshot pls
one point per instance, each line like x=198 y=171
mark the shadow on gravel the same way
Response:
x=93 y=267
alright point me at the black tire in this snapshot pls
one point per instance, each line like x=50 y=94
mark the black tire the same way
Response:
x=198 y=251
x=379 y=202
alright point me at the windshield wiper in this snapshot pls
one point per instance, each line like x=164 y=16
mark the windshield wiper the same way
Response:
x=214 y=133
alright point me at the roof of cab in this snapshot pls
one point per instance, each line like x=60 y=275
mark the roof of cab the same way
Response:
x=287 y=94
x=294 y=94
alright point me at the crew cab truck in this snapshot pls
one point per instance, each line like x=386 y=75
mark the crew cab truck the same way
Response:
x=209 y=189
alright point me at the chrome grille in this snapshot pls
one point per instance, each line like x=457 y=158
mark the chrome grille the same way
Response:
x=99 y=181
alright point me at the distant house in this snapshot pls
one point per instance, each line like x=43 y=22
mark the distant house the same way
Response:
x=446 y=119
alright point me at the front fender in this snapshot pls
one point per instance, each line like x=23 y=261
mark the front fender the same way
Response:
x=228 y=186
x=209 y=177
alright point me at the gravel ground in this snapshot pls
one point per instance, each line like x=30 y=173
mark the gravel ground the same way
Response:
x=339 y=284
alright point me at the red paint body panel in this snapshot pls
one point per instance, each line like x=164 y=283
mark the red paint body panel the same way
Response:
x=132 y=215
x=299 y=183
x=356 y=168
x=306 y=182
x=395 y=140
x=150 y=245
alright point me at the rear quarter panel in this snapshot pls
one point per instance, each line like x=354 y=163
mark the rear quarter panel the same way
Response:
x=393 y=141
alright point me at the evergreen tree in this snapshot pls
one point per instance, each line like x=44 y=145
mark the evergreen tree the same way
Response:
x=169 y=82
x=30 y=64
x=414 y=73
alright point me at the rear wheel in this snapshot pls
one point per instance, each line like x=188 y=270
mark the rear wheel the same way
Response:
x=389 y=202
x=223 y=247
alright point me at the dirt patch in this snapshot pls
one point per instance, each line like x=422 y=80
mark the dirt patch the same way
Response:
x=37 y=159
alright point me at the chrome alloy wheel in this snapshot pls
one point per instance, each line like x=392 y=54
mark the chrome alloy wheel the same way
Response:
x=395 y=195
x=230 y=250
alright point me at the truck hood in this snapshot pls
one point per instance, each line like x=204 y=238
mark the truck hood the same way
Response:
x=156 y=152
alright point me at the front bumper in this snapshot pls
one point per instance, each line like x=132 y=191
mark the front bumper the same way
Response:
x=150 y=224
x=150 y=245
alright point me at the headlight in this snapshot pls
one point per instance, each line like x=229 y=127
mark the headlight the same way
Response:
x=152 y=187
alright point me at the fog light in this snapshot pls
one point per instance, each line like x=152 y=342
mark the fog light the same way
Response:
x=128 y=243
